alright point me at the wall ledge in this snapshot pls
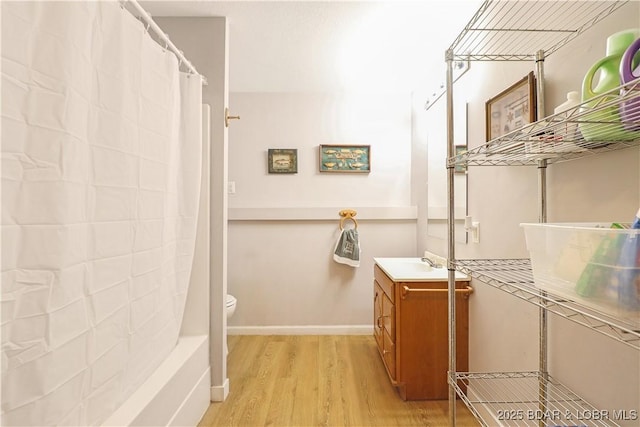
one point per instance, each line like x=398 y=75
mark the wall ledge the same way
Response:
x=322 y=213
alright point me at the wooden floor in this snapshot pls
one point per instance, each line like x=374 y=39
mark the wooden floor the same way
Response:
x=317 y=381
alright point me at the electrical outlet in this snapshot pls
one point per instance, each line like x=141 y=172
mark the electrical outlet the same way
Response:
x=472 y=227
x=475 y=234
x=231 y=187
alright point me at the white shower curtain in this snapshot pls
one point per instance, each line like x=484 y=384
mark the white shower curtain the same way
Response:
x=100 y=183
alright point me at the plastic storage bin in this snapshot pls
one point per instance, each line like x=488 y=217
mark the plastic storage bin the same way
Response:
x=588 y=263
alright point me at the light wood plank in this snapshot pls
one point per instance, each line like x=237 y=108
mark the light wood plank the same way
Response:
x=317 y=381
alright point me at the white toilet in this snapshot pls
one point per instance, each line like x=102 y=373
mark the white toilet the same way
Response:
x=231 y=305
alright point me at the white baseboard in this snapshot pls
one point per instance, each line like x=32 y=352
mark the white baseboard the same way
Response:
x=301 y=330
x=220 y=393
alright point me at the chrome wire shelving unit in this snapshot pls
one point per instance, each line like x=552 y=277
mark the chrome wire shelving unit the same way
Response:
x=492 y=398
x=515 y=31
x=515 y=277
x=559 y=137
x=531 y=31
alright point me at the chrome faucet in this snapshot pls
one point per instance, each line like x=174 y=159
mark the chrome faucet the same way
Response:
x=430 y=262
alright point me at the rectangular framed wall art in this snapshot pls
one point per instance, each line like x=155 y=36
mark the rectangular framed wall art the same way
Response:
x=345 y=158
x=459 y=149
x=512 y=108
x=283 y=160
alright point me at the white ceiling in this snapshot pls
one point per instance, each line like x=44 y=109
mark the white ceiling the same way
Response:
x=309 y=46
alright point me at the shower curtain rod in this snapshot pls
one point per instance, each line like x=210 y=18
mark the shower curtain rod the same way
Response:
x=164 y=37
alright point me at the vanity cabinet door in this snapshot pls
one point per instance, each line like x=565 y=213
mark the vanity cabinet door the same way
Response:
x=389 y=356
x=388 y=317
x=378 y=295
x=387 y=285
x=384 y=321
x=423 y=332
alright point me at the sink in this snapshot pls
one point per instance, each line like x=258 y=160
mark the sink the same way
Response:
x=414 y=270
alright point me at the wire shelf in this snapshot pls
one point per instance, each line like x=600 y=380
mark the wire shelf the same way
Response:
x=515 y=31
x=528 y=399
x=515 y=277
x=593 y=127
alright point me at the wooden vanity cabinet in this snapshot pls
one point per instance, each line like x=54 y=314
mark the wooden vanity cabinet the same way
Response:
x=411 y=330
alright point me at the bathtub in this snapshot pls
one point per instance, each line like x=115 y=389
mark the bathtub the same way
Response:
x=178 y=392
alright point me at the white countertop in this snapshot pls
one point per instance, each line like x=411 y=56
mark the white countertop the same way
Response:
x=415 y=270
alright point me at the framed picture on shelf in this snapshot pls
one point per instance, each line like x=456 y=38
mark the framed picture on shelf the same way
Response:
x=345 y=158
x=283 y=160
x=512 y=108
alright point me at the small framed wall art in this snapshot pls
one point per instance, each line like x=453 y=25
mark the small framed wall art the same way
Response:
x=345 y=158
x=512 y=108
x=283 y=160
x=459 y=150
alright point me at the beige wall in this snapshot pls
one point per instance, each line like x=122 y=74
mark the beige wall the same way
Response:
x=283 y=227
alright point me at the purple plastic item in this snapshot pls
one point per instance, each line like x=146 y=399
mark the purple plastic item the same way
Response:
x=630 y=109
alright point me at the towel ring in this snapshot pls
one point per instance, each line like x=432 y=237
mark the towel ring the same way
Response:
x=348 y=214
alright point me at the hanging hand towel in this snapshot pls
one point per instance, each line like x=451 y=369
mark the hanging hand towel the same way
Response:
x=347 y=249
